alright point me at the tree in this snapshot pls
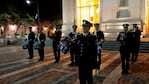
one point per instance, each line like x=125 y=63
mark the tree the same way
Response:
x=12 y=15
x=24 y=20
x=4 y=19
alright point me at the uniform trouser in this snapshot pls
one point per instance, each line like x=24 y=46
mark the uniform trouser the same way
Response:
x=8 y=42
x=124 y=52
x=30 y=51
x=56 y=51
x=135 y=52
x=99 y=58
x=85 y=75
x=41 y=53
x=73 y=55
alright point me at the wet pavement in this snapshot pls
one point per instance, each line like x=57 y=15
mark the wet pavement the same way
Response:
x=16 y=69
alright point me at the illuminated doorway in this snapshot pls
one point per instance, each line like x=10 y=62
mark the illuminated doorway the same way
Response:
x=146 y=31
x=88 y=10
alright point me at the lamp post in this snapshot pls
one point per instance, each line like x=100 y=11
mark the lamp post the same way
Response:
x=37 y=15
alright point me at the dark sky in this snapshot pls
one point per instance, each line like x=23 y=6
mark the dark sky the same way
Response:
x=48 y=9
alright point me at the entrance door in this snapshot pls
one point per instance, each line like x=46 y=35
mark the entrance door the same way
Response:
x=88 y=10
x=146 y=31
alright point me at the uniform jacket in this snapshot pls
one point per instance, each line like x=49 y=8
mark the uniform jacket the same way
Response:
x=125 y=38
x=42 y=39
x=87 y=50
x=57 y=36
x=100 y=36
x=31 y=37
x=73 y=37
x=136 y=36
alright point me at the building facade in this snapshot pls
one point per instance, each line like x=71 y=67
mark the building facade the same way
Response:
x=111 y=14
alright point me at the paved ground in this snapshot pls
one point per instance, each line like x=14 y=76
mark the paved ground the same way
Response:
x=16 y=69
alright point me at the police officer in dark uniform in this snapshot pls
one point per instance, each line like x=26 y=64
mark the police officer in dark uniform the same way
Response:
x=31 y=37
x=125 y=40
x=56 y=40
x=135 y=42
x=100 y=40
x=42 y=38
x=87 y=51
x=73 y=35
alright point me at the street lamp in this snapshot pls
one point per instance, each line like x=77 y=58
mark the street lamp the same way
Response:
x=37 y=5
x=28 y=2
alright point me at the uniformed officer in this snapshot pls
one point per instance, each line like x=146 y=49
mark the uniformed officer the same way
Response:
x=31 y=37
x=56 y=40
x=42 y=38
x=87 y=52
x=135 y=42
x=73 y=53
x=100 y=39
x=125 y=40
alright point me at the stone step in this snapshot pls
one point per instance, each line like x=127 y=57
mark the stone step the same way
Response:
x=144 y=51
x=114 y=45
x=144 y=47
x=110 y=35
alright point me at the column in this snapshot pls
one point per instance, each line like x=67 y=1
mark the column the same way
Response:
x=68 y=15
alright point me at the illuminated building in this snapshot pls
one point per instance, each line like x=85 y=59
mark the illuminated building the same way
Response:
x=111 y=14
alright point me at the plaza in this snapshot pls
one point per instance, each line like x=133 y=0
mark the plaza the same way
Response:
x=16 y=69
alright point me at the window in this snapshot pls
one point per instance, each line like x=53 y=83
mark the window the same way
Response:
x=123 y=3
x=123 y=9
x=123 y=13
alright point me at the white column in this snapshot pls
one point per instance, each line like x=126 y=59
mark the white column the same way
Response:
x=101 y=8
x=68 y=15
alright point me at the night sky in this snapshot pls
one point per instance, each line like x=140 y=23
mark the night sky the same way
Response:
x=48 y=9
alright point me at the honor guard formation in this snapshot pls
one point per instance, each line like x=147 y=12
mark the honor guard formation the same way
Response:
x=85 y=48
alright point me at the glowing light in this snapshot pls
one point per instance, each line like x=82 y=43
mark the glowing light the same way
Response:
x=2 y=28
x=52 y=32
x=12 y=27
x=91 y=3
x=28 y=1
x=34 y=28
x=45 y=28
x=54 y=29
x=97 y=10
x=91 y=9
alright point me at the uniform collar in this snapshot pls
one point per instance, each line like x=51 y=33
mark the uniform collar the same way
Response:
x=85 y=34
x=74 y=32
